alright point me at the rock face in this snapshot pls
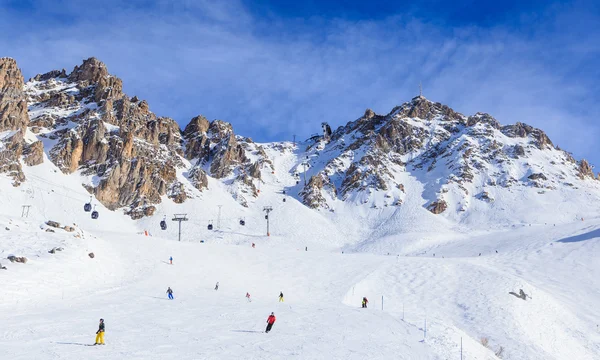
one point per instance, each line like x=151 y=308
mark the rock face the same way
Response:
x=133 y=154
x=441 y=149
x=438 y=207
x=14 y=119
x=101 y=132
x=131 y=159
x=13 y=103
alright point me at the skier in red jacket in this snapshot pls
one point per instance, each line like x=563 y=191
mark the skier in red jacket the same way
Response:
x=270 y=321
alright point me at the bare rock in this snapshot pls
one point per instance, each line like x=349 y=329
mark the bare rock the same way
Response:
x=92 y=70
x=53 y=224
x=585 y=170
x=13 y=102
x=18 y=259
x=54 y=250
x=48 y=230
x=91 y=255
x=438 y=206
x=52 y=74
x=69 y=228
x=537 y=176
x=198 y=178
x=485 y=196
x=34 y=153
x=312 y=193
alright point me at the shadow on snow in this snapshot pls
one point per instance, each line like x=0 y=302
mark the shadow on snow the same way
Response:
x=582 y=237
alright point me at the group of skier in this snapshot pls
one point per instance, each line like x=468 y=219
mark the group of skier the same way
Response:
x=270 y=320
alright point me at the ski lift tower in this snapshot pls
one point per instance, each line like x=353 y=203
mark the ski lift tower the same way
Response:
x=180 y=218
x=268 y=209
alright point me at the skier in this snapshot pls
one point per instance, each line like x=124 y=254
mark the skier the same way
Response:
x=171 y=260
x=248 y=297
x=170 y=292
x=364 y=302
x=270 y=321
x=217 y=286
x=253 y=245
x=280 y=296
x=100 y=334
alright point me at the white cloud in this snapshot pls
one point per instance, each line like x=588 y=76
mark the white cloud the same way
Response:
x=274 y=77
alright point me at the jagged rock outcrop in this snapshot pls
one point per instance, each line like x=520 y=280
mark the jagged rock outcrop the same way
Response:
x=443 y=149
x=102 y=132
x=438 y=206
x=585 y=170
x=312 y=193
x=13 y=103
x=14 y=119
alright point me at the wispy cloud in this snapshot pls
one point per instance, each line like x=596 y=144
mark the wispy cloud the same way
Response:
x=273 y=77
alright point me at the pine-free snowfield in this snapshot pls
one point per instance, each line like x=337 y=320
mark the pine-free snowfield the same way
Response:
x=51 y=306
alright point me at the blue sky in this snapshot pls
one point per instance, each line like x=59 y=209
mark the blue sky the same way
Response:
x=277 y=68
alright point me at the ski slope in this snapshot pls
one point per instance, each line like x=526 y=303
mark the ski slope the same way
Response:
x=49 y=307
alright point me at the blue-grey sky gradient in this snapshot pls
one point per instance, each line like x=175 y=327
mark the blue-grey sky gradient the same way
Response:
x=273 y=69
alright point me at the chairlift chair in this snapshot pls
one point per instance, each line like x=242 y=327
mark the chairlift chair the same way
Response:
x=163 y=224
x=210 y=225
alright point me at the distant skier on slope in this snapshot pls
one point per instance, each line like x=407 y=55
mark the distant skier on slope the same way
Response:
x=248 y=297
x=217 y=286
x=280 y=296
x=100 y=334
x=171 y=260
x=170 y=292
x=270 y=321
x=365 y=301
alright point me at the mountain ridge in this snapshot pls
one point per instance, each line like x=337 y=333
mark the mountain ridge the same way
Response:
x=131 y=159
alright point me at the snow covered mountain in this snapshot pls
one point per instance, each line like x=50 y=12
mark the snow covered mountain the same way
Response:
x=441 y=214
x=422 y=158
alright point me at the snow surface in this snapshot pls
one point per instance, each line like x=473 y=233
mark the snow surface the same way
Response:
x=49 y=307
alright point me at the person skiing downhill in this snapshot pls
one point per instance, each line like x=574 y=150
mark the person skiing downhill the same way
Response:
x=270 y=321
x=364 y=302
x=280 y=296
x=170 y=292
x=248 y=297
x=217 y=286
x=100 y=334
x=171 y=260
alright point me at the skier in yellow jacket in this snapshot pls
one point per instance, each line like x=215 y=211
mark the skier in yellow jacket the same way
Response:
x=100 y=333
x=280 y=296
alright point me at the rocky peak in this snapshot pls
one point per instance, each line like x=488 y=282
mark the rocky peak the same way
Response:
x=13 y=103
x=14 y=119
x=585 y=170
x=49 y=75
x=92 y=70
x=483 y=118
x=521 y=130
x=420 y=107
